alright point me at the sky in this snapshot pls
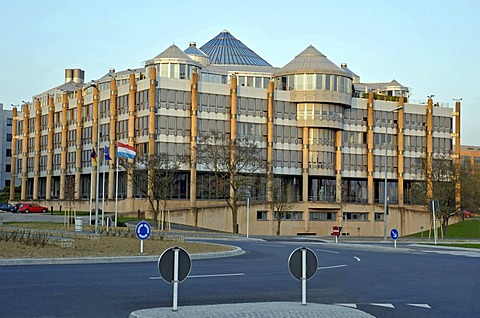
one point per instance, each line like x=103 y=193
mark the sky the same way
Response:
x=430 y=46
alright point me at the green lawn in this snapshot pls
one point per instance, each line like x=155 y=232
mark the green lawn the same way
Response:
x=470 y=228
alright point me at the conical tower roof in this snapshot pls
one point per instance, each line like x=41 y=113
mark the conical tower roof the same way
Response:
x=311 y=61
x=172 y=52
x=225 y=49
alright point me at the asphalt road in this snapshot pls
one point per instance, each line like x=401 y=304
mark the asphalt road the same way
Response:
x=418 y=282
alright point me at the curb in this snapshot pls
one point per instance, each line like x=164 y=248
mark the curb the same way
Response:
x=106 y=260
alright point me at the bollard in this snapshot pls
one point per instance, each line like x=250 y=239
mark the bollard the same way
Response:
x=138 y=214
x=51 y=210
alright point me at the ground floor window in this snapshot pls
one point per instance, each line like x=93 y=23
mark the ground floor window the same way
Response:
x=261 y=215
x=355 y=216
x=289 y=216
x=323 y=216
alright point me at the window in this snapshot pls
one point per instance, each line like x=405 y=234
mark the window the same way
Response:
x=355 y=216
x=289 y=216
x=9 y=137
x=9 y=152
x=8 y=168
x=379 y=217
x=262 y=215
x=323 y=216
x=9 y=121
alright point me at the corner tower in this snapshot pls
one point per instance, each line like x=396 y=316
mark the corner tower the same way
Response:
x=321 y=91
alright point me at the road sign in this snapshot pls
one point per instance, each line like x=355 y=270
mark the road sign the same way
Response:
x=166 y=264
x=336 y=230
x=394 y=234
x=174 y=266
x=295 y=263
x=143 y=230
x=303 y=264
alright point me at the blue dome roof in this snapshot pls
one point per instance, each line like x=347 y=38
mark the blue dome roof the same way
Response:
x=225 y=49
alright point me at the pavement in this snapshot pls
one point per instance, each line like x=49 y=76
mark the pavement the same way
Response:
x=254 y=310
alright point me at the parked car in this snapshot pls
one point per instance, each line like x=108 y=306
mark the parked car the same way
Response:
x=31 y=208
x=6 y=207
x=15 y=207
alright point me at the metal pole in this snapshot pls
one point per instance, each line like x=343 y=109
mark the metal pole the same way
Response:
x=175 y=279
x=116 y=193
x=434 y=224
x=141 y=246
x=304 y=276
x=248 y=215
x=385 y=197
x=103 y=187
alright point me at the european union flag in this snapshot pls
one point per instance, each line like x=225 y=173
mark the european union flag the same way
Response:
x=107 y=155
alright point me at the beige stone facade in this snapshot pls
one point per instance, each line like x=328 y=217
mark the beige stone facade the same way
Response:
x=325 y=134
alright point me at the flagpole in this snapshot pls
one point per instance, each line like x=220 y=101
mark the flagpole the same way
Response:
x=116 y=191
x=91 y=195
x=103 y=187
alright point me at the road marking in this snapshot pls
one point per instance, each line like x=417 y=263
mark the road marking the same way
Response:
x=383 y=305
x=327 y=251
x=269 y=245
x=347 y=305
x=421 y=305
x=204 y=276
x=357 y=258
x=329 y=267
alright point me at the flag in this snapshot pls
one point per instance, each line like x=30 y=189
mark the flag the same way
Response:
x=94 y=158
x=107 y=155
x=125 y=151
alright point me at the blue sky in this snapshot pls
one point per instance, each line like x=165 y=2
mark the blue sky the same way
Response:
x=431 y=46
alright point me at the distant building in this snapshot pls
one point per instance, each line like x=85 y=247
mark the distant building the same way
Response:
x=5 y=147
x=470 y=155
x=324 y=133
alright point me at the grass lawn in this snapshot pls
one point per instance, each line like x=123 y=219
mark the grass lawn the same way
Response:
x=468 y=229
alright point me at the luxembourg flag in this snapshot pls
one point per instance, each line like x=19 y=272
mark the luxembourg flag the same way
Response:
x=125 y=151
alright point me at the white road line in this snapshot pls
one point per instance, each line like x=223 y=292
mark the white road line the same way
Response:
x=421 y=305
x=347 y=305
x=357 y=258
x=329 y=267
x=383 y=305
x=327 y=251
x=202 y=276
x=269 y=245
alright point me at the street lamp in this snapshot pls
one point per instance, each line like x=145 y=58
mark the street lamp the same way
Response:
x=385 y=198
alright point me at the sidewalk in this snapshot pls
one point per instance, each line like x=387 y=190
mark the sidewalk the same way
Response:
x=254 y=310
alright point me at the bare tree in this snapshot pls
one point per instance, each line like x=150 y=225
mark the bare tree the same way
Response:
x=442 y=178
x=70 y=197
x=155 y=177
x=284 y=200
x=232 y=165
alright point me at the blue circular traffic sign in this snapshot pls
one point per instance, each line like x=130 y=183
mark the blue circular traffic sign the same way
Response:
x=394 y=234
x=143 y=230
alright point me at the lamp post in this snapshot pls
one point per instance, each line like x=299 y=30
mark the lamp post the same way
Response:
x=385 y=198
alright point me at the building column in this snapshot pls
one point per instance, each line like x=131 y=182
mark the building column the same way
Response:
x=51 y=113
x=400 y=158
x=113 y=138
x=78 y=144
x=131 y=126
x=95 y=144
x=36 y=165
x=13 y=173
x=338 y=166
x=429 y=157
x=305 y=164
x=270 y=129
x=370 y=122
x=26 y=117
x=63 y=155
x=458 y=198
x=193 y=144
x=233 y=130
